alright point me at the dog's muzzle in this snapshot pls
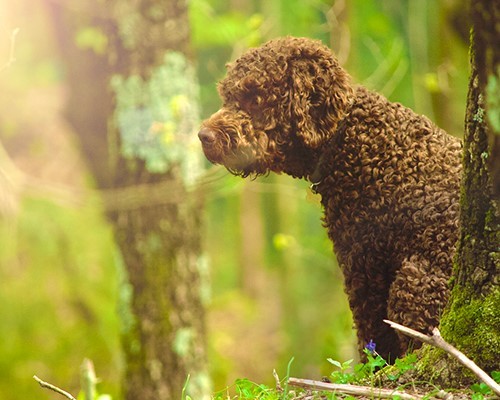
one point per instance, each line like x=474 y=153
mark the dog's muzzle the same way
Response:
x=206 y=136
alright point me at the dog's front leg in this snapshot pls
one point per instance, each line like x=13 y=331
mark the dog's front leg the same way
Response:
x=368 y=292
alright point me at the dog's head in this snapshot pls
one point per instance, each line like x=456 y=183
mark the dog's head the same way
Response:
x=281 y=102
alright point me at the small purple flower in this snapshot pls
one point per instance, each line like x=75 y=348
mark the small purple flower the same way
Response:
x=371 y=346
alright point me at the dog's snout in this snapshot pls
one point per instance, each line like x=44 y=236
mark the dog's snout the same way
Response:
x=206 y=136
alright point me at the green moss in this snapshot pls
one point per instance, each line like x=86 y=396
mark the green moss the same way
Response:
x=184 y=341
x=430 y=362
x=441 y=369
x=124 y=295
x=490 y=221
x=473 y=324
x=157 y=117
x=479 y=115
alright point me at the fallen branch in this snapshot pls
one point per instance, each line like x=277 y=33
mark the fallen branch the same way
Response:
x=437 y=340
x=49 y=386
x=351 y=389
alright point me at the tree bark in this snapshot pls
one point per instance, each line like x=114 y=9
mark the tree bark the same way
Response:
x=132 y=103
x=471 y=321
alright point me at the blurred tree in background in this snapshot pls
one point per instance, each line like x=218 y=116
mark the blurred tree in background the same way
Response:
x=133 y=96
x=276 y=290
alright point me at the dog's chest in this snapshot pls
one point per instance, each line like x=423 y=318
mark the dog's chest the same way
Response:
x=361 y=195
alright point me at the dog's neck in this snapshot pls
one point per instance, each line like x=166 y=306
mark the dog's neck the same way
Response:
x=302 y=163
x=322 y=168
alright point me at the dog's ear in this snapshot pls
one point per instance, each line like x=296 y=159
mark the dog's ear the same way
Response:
x=301 y=102
x=319 y=96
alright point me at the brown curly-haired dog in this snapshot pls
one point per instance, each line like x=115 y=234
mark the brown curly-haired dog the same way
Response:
x=388 y=178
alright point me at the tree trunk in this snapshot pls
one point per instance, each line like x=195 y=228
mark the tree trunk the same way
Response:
x=472 y=320
x=133 y=104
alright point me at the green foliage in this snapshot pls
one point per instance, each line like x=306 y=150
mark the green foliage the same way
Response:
x=218 y=33
x=402 y=365
x=482 y=391
x=373 y=363
x=57 y=303
x=251 y=390
x=288 y=369
x=215 y=28
x=473 y=323
x=342 y=376
x=299 y=18
x=246 y=389
x=379 y=58
x=184 y=396
x=157 y=117
x=346 y=373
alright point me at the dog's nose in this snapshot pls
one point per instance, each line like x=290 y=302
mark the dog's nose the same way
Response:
x=206 y=135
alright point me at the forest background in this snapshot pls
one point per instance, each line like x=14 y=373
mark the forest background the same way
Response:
x=275 y=289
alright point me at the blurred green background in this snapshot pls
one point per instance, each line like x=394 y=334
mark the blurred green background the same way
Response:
x=276 y=289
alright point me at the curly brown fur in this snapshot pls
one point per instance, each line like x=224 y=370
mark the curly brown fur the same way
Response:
x=388 y=178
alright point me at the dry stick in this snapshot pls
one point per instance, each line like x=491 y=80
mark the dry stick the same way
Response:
x=437 y=340
x=47 y=385
x=352 y=389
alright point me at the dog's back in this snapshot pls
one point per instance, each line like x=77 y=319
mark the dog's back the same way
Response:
x=389 y=181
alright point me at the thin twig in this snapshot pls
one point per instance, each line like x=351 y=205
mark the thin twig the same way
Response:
x=437 y=340
x=49 y=386
x=352 y=389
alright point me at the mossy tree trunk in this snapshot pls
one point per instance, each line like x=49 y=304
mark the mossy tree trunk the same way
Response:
x=133 y=104
x=471 y=321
